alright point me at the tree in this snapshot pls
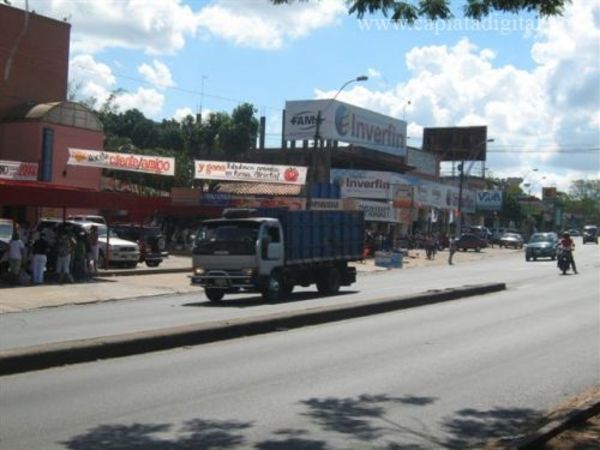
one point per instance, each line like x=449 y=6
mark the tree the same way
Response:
x=410 y=11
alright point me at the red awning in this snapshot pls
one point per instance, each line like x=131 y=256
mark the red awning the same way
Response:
x=36 y=193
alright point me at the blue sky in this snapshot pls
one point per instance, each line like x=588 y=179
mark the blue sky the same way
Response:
x=535 y=84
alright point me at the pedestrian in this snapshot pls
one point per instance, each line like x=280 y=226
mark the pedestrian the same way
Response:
x=80 y=257
x=95 y=249
x=16 y=256
x=451 y=249
x=64 y=251
x=40 y=251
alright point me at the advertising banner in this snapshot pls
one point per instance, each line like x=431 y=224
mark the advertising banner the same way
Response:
x=158 y=165
x=345 y=123
x=489 y=200
x=17 y=170
x=242 y=171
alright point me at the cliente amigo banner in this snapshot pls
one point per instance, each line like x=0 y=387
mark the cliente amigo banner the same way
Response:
x=158 y=165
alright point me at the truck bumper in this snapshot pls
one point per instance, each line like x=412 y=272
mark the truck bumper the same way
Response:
x=228 y=281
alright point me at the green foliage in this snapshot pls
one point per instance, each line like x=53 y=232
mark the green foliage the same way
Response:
x=410 y=11
x=220 y=135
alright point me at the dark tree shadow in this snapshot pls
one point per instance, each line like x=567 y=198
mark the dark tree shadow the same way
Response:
x=472 y=428
x=362 y=417
x=196 y=434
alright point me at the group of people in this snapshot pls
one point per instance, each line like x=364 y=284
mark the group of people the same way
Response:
x=71 y=256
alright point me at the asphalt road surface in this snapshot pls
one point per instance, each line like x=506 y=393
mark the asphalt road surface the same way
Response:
x=451 y=375
x=124 y=316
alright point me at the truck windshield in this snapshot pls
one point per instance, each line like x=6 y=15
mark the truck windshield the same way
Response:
x=227 y=237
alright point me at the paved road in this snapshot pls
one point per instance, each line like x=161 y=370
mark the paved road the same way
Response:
x=442 y=376
x=77 y=322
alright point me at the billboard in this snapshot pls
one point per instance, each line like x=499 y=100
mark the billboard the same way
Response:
x=345 y=123
x=456 y=143
x=241 y=171
x=158 y=165
x=489 y=200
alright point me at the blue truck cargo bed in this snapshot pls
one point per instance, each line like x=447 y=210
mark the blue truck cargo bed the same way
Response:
x=313 y=236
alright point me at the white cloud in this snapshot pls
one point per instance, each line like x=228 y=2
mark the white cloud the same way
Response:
x=373 y=73
x=155 y=27
x=162 y=27
x=97 y=81
x=157 y=74
x=260 y=24
x=182 y=113
x=538 y=118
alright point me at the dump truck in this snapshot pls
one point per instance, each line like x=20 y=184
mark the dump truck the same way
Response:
x=270 y=251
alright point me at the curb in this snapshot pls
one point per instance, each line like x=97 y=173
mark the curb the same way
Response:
x=538 y=439
x=70 y=352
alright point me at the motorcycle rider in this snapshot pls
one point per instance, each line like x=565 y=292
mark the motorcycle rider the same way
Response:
x=567 y=244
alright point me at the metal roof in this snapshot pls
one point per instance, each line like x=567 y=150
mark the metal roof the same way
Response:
x=66 y=113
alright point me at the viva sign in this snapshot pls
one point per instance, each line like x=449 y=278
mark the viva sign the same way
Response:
x=345 y=123
x=489 y=200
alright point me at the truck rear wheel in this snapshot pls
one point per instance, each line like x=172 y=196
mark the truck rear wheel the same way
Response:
x=330 y=282
x=214 y=295
x=273 y=289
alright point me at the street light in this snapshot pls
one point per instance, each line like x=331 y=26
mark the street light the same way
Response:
x=461 y=168
x=311 y=169
x=404 y=110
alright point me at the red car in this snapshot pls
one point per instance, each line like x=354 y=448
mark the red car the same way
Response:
x=469 y=241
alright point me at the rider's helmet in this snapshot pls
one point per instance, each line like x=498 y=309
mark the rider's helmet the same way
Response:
x=566 y=235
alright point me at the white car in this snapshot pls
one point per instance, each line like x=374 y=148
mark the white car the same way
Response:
x=119 y=251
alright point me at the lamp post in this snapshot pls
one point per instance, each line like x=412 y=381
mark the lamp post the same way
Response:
x=461 y=179
x=404 y=110
x=312 y=165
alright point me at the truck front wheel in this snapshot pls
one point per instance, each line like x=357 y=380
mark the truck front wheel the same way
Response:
x=330 y=282
x=214 y=295
x=273 y=289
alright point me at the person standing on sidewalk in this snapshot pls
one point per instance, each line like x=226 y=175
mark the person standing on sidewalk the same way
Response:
x=451 y=249
x=95 y=248
x=64 y=250
x=16 y=255
x=40 y=251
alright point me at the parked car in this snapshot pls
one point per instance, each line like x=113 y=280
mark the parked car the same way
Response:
x=542 y=245
x=88 y=218
x=482 y=233
x=574 y=232
x=590 y=234
x=153 y=248
x=120 y=251
x=512 y=240
x=469 y=241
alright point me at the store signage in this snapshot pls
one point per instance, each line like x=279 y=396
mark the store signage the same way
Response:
x=242 y=171
x=18 y=170
x=343 y=122
x=324 y=204
x=489 y=200
x=158 y=165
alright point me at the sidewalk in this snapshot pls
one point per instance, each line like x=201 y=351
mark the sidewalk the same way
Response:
x=172 y=277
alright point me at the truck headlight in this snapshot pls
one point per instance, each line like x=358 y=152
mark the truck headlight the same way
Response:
x=198 y=270
x=248 y=272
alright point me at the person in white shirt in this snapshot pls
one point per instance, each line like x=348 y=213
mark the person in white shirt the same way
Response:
x=16 y=253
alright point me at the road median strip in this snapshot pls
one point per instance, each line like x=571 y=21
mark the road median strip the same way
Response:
x=43 y=356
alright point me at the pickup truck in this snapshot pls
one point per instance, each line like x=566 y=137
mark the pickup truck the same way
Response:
x=270 y=251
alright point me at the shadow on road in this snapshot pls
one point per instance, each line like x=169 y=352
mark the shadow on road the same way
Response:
x=361 y=422
x=258 y=301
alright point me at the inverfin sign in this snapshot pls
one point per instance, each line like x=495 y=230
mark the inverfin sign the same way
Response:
x=344 y=123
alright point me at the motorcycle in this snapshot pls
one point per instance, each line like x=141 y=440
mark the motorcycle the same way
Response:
x=564 y=260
